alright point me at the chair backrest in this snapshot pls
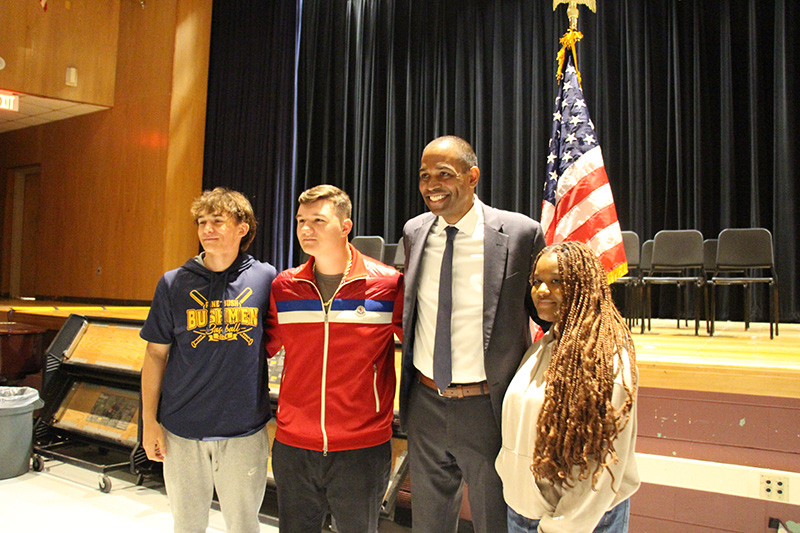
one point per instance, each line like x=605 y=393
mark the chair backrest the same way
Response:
x=399 y=255
x=369 y=245
x=389 y=250
x=646 y=259
x=710 y=255
x=742 y=248
x=630 y=240
x=677 y=250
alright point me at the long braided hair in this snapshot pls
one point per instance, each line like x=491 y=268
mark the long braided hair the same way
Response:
x=578 y=423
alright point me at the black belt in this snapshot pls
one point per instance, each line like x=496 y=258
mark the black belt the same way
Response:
x=464 y=390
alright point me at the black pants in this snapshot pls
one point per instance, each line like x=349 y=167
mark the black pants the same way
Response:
x=350 y=483
x=450 y=441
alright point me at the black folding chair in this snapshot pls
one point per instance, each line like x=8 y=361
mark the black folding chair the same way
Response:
x=709 y=267
x=677 y=260
x=744 y=251
x=369 y=245
x=630 y=281
x=400 y=256
x=645 y=262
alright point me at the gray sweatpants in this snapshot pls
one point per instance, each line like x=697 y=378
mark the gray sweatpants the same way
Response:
x=236 y=467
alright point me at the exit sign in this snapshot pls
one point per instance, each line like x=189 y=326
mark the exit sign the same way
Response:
x=9 y=102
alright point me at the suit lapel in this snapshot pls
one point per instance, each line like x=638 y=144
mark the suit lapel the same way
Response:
x=495 y=253
x=418 y=239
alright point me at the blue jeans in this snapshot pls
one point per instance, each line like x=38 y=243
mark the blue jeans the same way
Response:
x=614 y=521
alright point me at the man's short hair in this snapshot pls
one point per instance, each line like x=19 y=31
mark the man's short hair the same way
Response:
x=342 y=205
x=466 y=155
x=227 y=202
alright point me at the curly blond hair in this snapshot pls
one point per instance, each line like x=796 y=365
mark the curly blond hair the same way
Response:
x=227 y=202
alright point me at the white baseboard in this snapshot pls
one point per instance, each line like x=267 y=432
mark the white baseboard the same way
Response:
x=734 y=480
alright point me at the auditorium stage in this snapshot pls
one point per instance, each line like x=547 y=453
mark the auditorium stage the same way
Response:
x=715 y=416
x=734 y=360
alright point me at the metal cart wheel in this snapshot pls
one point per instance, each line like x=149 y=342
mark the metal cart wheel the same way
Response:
x=104 y=482
x=38 y=463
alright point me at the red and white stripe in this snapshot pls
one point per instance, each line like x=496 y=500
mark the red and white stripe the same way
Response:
x=584 y=211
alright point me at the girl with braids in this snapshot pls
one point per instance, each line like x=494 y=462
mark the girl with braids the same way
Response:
x=569 y=415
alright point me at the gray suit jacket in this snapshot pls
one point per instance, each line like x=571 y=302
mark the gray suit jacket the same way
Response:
x=511 y=242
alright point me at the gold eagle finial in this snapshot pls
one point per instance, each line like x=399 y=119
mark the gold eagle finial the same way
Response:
x=572 y=10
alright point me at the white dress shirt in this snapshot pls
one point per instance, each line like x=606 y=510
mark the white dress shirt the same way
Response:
x=467 y=316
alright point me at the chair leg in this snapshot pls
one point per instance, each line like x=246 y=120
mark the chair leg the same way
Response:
x=635 y=304
x=640 y=302
x=771 y=315
x=773 y=309
x=697 y=310
x=687 y=290
x=628 y=304
x=645 y=302
x=713 y=307
x=746 y=306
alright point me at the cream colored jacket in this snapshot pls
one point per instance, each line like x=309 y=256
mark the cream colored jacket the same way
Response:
x=560 y=508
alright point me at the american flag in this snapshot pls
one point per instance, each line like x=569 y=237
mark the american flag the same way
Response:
x=578 y=204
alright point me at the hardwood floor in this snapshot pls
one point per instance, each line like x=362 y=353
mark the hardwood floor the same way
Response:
x=734 y=360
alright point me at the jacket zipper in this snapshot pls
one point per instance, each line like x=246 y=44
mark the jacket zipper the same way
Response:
x=324 y=379
x=375 y=388
x=323 y=386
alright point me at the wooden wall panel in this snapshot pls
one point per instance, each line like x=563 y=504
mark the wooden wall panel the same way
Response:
x=187 y=126
x=31 y=259
x=39 y=45
x=5 y=237
x=14 y=41
x=737 y=429
x=141 y=122
x=108 y=202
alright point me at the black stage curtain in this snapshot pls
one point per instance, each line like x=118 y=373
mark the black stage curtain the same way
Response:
x=250 y=115
x=690 y=100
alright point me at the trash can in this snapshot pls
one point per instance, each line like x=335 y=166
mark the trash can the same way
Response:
x=16 y=429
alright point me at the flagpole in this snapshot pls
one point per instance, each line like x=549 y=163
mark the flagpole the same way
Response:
x=577 y=203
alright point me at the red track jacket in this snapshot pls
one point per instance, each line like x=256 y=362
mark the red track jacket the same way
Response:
x=338 y=383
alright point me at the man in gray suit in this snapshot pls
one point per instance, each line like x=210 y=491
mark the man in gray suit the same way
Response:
x=454 y=429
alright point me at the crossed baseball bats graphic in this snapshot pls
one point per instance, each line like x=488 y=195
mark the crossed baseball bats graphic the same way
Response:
x=199 y=298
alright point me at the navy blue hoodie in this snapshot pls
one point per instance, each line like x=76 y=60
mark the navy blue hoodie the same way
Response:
x=216 y=380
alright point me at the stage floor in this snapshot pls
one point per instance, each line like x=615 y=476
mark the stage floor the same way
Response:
x=734 y=360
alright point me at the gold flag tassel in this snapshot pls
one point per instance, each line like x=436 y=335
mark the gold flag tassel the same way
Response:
x=568 y=41
x=573 y=35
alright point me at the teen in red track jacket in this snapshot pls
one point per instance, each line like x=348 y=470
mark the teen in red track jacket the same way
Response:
x=338 y=384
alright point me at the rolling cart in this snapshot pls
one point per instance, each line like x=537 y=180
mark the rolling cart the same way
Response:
x=92 y=412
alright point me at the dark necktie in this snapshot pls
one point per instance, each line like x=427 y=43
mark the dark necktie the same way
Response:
x=442 y=367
